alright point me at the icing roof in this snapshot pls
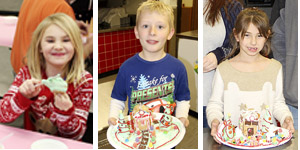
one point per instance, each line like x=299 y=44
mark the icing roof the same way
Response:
x=250 y=115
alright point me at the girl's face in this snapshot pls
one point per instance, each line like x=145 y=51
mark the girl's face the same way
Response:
x=153 y=30
x=56 y=47
x=252 y=43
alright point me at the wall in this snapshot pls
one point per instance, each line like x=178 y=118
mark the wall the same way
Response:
x=132 y=5
x=188 y=55
x=114 y=48
x=10 y=5
x=187 y=3
x=267 y=10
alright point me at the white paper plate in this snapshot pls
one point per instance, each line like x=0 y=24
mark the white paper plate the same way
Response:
x=48 y=144
x=176 y=141
x=288 y=136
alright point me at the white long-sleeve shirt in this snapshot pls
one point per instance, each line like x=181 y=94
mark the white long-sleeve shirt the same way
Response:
x=231 y=88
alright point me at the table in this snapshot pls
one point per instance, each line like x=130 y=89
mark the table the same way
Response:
x=103 y=142
x=22 y=139
x=8 y=26
x=210 y=144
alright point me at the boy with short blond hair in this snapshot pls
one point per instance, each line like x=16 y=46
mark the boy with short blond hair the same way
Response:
x=152 y=77
x=158 y=7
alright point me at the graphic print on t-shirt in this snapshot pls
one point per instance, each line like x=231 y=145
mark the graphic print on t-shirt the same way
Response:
x=152 y=91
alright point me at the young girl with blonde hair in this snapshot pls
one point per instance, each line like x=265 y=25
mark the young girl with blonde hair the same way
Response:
x=56 y=48
x=248 y=77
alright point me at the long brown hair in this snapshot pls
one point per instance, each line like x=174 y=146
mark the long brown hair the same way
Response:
x=259 y=19
x=213 y=10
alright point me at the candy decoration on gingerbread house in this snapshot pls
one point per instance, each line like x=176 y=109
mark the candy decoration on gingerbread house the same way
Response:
x=166 y=118
x=142 y=117
x=249 y=121
x=141 y=124
x=267 y=119
x=228 y=132
x=122 y=125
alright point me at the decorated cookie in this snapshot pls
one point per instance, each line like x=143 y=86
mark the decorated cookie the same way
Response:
x=56 y=84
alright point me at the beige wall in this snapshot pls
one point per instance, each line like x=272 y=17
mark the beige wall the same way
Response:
x=132 y=5
x=187 y=3
x=10 y=5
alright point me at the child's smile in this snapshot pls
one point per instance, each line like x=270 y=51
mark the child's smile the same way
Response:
x=252 y=49
x=153 y=30
x=57 y=54
x=153 y=42
x=56 y=46
x=252 y=42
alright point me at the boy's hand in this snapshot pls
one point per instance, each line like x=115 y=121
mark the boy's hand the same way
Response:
x=30 y=88
x=288 y=124
x=112 y=121
x=62 y=101
x=210 y=62
x=184 y=121
x=214 y=129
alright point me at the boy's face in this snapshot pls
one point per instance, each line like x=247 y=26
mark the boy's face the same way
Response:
x=153 y=30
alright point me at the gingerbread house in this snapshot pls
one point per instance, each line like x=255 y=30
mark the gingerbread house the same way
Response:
x=249 y=122
x=141 y=118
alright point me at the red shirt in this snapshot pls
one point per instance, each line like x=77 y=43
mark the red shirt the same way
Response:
x=41 y=113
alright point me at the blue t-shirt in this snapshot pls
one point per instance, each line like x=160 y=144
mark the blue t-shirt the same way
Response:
x=153 y=83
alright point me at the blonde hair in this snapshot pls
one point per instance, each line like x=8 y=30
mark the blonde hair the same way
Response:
x=157 y=6
x=259 y=19
x=35 y=60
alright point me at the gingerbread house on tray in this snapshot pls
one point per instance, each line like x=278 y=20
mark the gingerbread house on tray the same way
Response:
x=141 y=118
x=249 y=122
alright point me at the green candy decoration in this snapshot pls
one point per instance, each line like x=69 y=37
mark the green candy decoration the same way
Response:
x=267 y=120
x=229 y=129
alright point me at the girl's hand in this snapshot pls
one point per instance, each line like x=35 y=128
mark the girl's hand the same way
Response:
x=214 y=129
x=184 y=121
x=112 y=121
x=288 y=124
x=30 y=88
x=62 y=101
x=210 y=62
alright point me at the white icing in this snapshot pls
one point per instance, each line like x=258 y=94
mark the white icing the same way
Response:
x=270 y=139
x=165 y=137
